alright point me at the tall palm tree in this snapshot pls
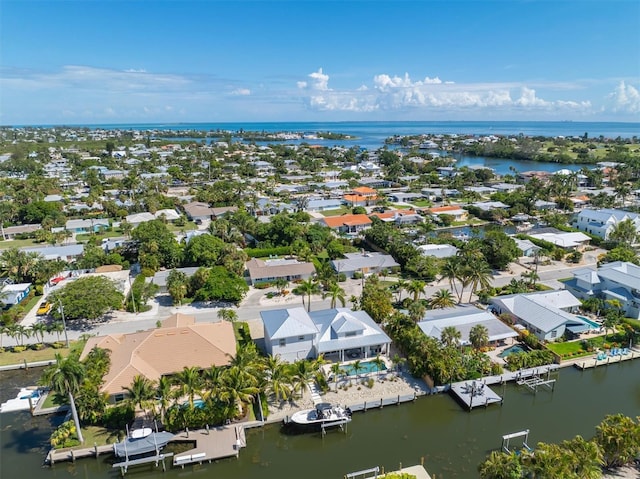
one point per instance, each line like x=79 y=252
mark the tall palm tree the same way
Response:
x=380 y=364
x=416 y=287
x=303 y=372
x=141 y=392
x=452 y=271
x=238 y=389
x=336 y=371
x=227 y=314
x=336 y=293
x=65 y=377
x=189 y=383
x=38 y=330
x=400 y=286
x=357 y=367
x=307 y=288
x=442 y=299
x=500 y=465
x=278 y=378
x=163 y=395
x=478 y=274
x=416 y=311
x=479 y=336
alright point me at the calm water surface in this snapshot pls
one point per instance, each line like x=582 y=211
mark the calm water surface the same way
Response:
x=451 y=441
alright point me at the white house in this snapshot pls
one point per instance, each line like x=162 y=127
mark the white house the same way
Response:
x=618 y=280
x=547 y=314
x=14 y=293
x=365 y=263
x=339 y=333
x=602 y=222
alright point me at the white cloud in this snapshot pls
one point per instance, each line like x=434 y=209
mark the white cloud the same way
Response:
x=396 y=93
x=320 y=80
x=625 y=98
x=241 y=92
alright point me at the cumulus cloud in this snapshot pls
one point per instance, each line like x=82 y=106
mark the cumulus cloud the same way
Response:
x=392 y=92
x=241 y=92
x=625 y=98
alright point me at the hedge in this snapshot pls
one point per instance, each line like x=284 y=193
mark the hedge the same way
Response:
x=264 y=252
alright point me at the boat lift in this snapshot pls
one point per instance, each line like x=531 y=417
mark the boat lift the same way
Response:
x=507 y=437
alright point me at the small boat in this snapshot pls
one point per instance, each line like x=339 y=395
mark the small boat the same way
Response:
x=142 y=441
x=322 y=414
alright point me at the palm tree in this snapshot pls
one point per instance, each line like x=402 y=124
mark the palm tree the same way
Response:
x=380 y=364
x=442 y=299
x=281 y=284
x=65 y=377
x=189 y=383
x=450 y=336
x=38 y=330
x=500 y=465
x=336 y=370
x=303 y=373
x=177 y=285
x=416 y=311
x=357 y=367
x=452 y=271
x=336 y=293
x=417 y=288
x=479 y=336
x=227 y=314
x=478 y=273
x=141 y=392
x=238 y=388
x=278 y=378
x=307 y=288
x=163 y=395
x=400 y=286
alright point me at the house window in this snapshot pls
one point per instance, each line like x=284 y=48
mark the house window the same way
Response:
x=554 y=333
x=300 y=338
x=283 y=342
x=350 y=334
x=118 y=397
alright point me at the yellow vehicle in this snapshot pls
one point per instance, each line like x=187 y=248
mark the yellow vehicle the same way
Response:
x=44 y=308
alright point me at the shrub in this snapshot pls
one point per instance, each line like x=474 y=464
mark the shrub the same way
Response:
x=19 y=349
x=58 y=345
x=370 y=382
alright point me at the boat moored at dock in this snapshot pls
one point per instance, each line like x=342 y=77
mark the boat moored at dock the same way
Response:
x=323 y=414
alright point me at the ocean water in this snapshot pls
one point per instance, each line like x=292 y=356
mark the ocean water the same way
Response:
x=381 y=130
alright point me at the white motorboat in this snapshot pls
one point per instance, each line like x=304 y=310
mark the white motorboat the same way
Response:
x=323 y=413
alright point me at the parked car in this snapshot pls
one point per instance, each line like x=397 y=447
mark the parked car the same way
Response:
x=44 y=308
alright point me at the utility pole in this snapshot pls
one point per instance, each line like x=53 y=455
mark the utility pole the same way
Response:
x=64 y=323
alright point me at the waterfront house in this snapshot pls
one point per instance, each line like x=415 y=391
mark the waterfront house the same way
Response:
x=364 y=263
x=602 y=222
x=546 y=314
x=347 y=224
x=618 y=280
x=463 y=318
x=527 y=248
x=87 y=226
x=399 y=217
x=179 y=343
x=339 y=333
x=566 y=240
x=456 y=211
x=268 y=271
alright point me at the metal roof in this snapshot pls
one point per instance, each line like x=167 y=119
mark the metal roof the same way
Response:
x=287 y=323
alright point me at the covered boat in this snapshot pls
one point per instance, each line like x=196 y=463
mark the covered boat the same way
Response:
x=142 y=441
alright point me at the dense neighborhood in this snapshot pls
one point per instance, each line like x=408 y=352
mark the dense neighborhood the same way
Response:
x=293 y=260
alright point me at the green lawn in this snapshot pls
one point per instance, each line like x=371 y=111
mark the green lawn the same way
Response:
x=100 y=235
x=100 y=436
x=19 y=243
x=338 y=212
x=421 y=203
x=30 y=355
x=575 y=349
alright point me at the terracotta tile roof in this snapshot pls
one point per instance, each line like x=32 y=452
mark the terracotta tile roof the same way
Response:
x=179 y=343
x=337 y=221
x=444 y=209
x=356 y=198
x=393 y=213
x=365 y=190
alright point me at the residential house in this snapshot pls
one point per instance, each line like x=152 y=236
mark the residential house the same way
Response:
x=198 y=211
x=92 y=225
x=566 y=240
x=602 y=222
x=527 y=248
x=364 y=263
x=10 y=232
x=490 y=205
x=11 y=294
x=453 y=210
x=348 y=224
x=438 y=250
x=160 y=277
x=611 y=281
x=179 y=343
x=339 y=333
x=267 y=271
x=399 y=217
x=463 y=318
x=320 y=204
x=547 y=314
x=65 y=253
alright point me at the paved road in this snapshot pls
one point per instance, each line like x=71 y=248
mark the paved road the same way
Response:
x=256 y=301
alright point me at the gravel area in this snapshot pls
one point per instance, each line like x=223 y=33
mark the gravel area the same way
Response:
x=387 y=385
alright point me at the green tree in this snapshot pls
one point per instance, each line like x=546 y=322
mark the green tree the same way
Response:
x=177 y=285
x=189 y=383
x=500 y=465
x=204 y=250
x=89 y=298
x=479 y=336
x=416 y=311
x=222 y=285
x=336 y=293
x=624 y=233
x=442 y=299
x=619 y=439
x=157 y=246
x=376 y=300
x=227 y=314
x=141 y=393
x=308 y=288
x=278 y=377
x=238 y=388
x=499 y=249
x=450 y=336
x=64 y=378
x=416 y=287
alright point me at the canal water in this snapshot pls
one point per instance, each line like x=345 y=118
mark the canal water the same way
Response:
x=451 y=441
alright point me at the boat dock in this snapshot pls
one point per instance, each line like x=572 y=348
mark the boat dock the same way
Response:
x=475 y=393
x=210 y=444
x=602 y=359
x=536 y=381
x=419 y=472
x=157 y=459
x=57 y=455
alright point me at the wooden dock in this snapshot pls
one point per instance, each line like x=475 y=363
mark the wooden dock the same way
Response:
x=210 y=444
x=475 y=393
x=58 y=455
x=608 y=359
x=157 y=460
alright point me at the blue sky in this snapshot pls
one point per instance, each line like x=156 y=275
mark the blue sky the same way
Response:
x=119 y=61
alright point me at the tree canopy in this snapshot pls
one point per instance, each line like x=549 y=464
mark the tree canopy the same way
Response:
x=88 y=298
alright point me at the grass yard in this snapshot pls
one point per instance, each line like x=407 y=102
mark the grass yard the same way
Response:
x=100 y=235
x=576 y=349
x=19 y=243
x=30 y=355
x=340 y=211
x=101 y=436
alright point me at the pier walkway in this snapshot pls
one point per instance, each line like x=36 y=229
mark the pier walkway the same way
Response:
x=625 y=355
x=210 y=444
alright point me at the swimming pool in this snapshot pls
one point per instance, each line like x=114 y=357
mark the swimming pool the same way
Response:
x=593 y=324
x=516 y=348
x=365 y=368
